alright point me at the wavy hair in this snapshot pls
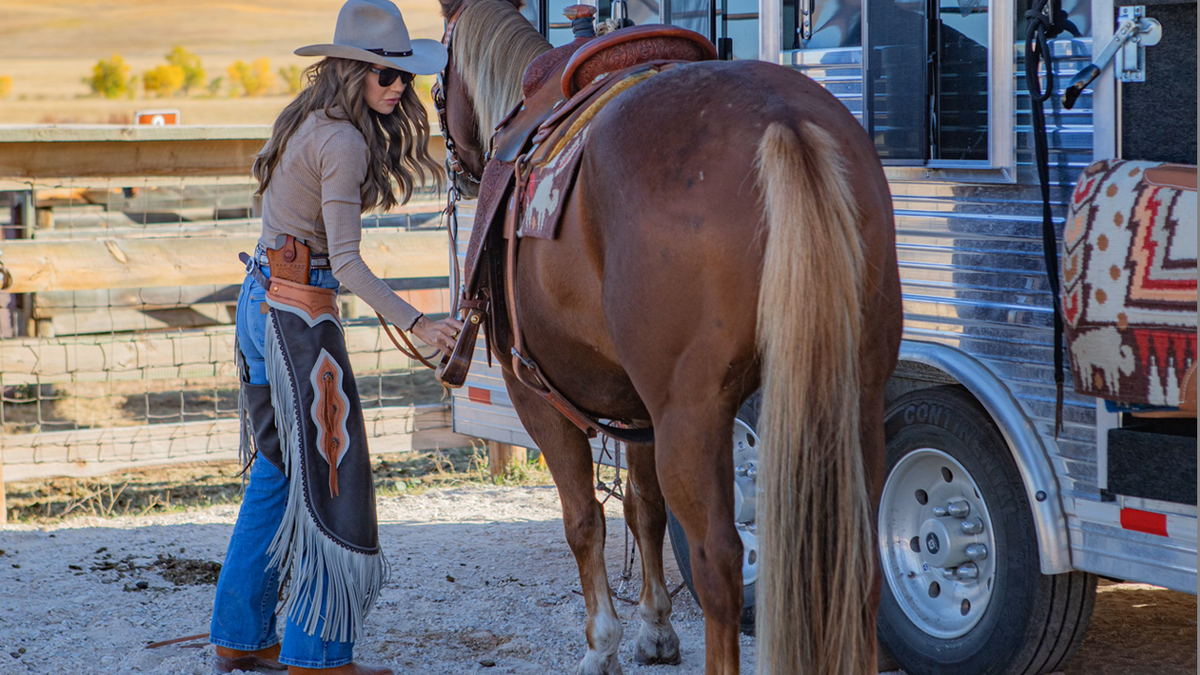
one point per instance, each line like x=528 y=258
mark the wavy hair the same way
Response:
x=397 y=144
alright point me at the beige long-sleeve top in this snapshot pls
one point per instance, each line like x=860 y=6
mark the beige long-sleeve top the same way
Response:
x=315 y=195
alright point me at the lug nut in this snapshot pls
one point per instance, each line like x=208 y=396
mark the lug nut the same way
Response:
x=977 y=551
x=972 y=526
x=958 y=508
x=966 y=572
x=940 y=511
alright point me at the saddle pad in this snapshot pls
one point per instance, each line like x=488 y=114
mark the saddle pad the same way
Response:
x=554 y=164
x=545 y=191
x=1129 y=274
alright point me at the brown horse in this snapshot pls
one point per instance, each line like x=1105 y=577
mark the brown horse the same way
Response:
x=731 y=227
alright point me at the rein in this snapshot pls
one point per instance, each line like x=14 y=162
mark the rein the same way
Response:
x=412 y=351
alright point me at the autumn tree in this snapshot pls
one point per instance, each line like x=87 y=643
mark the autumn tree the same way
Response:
x=110 y=78
x=5 y=86
x=164 y=80
x=293 y=78
x=189 y=63
x=253 y=79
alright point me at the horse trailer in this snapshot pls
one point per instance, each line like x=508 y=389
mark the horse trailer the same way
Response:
x=975 y=456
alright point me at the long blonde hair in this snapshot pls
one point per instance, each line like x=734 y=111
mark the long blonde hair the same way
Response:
x=495 y=44
x=398 y=144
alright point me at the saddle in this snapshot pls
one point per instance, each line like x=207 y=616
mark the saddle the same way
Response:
x=1129 y=293
x=537 y=149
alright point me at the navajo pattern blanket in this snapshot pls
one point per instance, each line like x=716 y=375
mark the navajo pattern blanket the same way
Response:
x=1129 y=275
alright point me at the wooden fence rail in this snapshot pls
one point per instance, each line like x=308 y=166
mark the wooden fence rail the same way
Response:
x=111 y=252
x=38 y=265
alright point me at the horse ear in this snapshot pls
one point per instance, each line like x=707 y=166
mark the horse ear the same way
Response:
x=448 y=7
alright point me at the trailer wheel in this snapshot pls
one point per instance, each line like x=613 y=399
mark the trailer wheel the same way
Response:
x=963 y=590
x=745 y=462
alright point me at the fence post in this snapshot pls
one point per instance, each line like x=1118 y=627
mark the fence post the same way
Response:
x=501 y=455
x=3 y=502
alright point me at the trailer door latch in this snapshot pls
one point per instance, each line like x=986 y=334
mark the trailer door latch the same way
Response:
x=1135 y=32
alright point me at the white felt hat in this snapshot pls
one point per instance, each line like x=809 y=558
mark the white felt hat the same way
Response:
x=374 y=31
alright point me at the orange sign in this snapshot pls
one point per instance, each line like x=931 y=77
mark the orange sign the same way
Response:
x=157 y=118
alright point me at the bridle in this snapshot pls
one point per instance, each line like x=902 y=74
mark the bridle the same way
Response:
x=454 y=166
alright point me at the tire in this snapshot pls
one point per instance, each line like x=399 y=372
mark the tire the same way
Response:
x=745 y=432
x=934 y=617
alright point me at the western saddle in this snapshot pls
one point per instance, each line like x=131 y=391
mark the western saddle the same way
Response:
x=535 y=152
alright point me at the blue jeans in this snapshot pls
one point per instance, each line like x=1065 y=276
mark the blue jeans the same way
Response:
x=248 y=588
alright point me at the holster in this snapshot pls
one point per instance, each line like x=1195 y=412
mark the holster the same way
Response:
x=453 y=369
x=291 y=261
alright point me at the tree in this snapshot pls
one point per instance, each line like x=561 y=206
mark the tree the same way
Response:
x=214 y=85
x=293 y=78
x=253 y=79
x=5 y=86
x=164 y=80
x=189 y=63
x=110 y=78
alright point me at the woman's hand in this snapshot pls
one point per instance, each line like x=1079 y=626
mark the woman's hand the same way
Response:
x=441 y=334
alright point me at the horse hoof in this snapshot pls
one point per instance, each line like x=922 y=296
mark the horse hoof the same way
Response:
x=600 y=666
x=664 y=651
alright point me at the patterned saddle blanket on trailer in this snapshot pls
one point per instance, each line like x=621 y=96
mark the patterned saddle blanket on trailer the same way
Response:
x=1129 y=284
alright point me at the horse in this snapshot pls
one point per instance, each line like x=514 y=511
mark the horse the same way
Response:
x=730 y=229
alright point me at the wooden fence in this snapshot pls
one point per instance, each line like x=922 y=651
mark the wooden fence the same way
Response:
x=86 y=279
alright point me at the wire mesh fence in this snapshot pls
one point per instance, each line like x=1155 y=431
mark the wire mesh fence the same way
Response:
x=132 y=367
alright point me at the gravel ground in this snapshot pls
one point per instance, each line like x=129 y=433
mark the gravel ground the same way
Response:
x=481 y=576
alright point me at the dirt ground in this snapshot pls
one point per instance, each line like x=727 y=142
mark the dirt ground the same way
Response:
x=481 y=576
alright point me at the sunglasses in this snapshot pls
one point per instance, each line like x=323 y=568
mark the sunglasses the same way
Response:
x=387 y=76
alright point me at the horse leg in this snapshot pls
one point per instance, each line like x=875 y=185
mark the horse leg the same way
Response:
x=646 y=515
x=695 y=470
x=569 y=458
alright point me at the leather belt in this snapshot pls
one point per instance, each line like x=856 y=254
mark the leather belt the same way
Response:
x=317 y=262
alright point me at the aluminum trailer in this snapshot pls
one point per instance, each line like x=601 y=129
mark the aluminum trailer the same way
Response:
x=971 y=438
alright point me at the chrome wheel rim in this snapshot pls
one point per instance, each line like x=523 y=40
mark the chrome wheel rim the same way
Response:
x=937 y=543
x=745 y=478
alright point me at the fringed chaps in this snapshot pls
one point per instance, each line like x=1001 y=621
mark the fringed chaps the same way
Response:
x=327 y=547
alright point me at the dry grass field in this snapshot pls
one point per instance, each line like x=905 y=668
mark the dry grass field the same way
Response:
x=48 y=47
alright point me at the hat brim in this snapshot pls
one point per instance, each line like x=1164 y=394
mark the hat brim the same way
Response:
x=428 y=58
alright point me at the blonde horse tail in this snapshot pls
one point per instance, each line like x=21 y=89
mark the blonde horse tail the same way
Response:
x=815 y=528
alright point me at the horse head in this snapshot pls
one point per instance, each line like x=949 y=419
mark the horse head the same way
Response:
x=490 y=44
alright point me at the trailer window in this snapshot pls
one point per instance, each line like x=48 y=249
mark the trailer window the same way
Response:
x=939 y=49
x=736 y=20
x=832 y=24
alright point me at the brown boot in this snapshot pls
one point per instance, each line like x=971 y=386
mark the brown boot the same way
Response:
x=348 y=669
x=264 y=660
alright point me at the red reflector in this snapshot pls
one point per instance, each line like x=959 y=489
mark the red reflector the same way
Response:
x=1144 y=521
x=485 y=397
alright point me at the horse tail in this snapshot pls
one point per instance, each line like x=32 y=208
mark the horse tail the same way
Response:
x=814 y=515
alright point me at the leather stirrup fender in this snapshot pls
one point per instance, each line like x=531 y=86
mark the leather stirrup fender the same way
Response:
x=453 y=369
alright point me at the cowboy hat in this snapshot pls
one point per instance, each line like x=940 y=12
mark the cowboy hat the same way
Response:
x=373 y=31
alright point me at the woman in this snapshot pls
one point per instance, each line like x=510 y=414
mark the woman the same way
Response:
x=308 y=516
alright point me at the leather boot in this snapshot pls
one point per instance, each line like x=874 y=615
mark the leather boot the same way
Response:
x=348 y=669
x=264 y=660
